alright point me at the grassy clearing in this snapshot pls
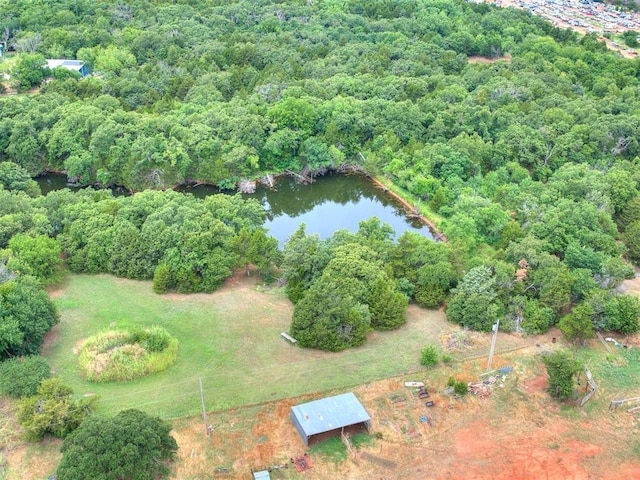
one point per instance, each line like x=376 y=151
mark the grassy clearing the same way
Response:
x=231 y=339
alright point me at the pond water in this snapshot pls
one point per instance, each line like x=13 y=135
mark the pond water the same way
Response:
x=331 y=203
x=57 y=181
x=53 y=181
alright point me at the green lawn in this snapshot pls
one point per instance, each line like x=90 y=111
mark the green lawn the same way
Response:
x=230 y=338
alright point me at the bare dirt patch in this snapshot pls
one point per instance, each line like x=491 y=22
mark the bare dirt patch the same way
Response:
x=51 y=338
x=21 y=461
x=55 y=293
x=33 y=460
x=631 y=287
x=535 y=385
x=479 y=59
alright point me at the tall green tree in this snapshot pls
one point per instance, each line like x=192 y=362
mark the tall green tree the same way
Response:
x=39 y=256
x=561 y=368
x=13 y=177
x=577 y=326
x=132 y=445
x=26 y=315
x=623 y=314
x=29 y=71
x=474 y=301
x=631 y=238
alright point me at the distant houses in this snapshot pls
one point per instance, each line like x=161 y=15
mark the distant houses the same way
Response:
x=73 y=65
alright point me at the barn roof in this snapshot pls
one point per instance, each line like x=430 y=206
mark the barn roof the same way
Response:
x=329 y=414
x=64 y=63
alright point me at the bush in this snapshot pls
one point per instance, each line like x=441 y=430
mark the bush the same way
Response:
x=631 y=238
x=623 y=314
x=430 y=297
x=446 y=358
x=460 y=388
x=429 y=356
x=537 y=318
x=53 y=411
x=451 y=382
x=561 y=369
x=20 y=377
x=124 y=355
x=162 y=279
x=154 y=339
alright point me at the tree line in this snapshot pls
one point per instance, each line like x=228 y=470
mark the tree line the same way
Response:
x=528 y=163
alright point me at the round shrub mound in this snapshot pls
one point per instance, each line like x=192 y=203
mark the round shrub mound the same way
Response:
x=121 y=355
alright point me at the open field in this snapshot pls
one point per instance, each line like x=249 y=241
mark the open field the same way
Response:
x=231 y=339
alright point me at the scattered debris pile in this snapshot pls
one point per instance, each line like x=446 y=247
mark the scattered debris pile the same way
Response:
x=629 y=401
x=268 y=180
x=616 y=343
x=422 y=393
x=302 y=463
x=483 y=389
x=247 y=186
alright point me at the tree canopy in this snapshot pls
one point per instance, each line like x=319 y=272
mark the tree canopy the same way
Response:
x=130 y=446
x=528 y=161
x=26 y=315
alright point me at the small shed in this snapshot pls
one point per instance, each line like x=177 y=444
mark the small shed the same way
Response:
x=73 y=65
x=261 y=475
x=328 y=417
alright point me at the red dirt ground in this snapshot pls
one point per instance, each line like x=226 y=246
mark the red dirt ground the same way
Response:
x=519 y=433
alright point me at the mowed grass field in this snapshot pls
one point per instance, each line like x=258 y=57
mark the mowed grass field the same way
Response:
x=231 y=339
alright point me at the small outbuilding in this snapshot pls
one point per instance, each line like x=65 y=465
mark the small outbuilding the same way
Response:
x=73 y=65
x=328 y=417
x=262 y=475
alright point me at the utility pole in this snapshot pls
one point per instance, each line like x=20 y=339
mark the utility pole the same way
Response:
x=493 y=343
x=204 y=409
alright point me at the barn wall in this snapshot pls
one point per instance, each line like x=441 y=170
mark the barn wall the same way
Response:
x=301 y=431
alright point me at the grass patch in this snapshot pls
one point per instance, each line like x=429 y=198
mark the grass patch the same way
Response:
x=123 y=355
x=620 y=373
x=361 y=440
x=332 y=450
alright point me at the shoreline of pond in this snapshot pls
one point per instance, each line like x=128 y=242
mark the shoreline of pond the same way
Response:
x=411 y=211
x=437 y=234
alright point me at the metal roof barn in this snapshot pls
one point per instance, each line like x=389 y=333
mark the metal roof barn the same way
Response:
x=73 y=65
x=329 y=415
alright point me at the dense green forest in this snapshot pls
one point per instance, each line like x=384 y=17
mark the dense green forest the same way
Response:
x=528 y=162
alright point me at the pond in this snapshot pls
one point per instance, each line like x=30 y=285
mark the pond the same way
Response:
x=331 y=203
